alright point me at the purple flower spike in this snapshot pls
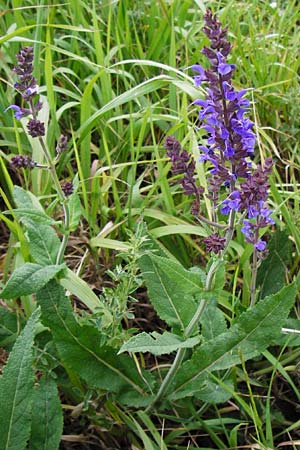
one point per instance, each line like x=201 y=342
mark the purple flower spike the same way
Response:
x=230 y=139
x=183 y=164
x=28 y=89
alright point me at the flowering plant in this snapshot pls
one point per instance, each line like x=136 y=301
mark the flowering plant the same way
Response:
x=79 y=344
x=228 y=151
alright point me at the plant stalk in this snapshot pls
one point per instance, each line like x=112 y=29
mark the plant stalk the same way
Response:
x=188 y=332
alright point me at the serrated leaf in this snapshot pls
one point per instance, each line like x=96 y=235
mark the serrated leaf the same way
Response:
x=172 y=289
x=79 y=346
x=44 y=243
x=47 y=417
x=249 y=336
x=28 y=279
x=16 y=390
x=271 y=276
x=157 y=344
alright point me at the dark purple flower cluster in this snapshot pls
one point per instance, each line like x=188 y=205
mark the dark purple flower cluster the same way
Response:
x=28 y=89
x=67 y=188
x=183 y=164
x=230 y=139
x=22 y=162
x=214 y=243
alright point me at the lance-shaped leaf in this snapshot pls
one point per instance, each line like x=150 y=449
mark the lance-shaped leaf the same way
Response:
x=28 y=279
x=80 y=348
x=16 y=390
x=173 y=290
x=250 y=335
x=158 y=344
x=43 y=242
x=47 y=417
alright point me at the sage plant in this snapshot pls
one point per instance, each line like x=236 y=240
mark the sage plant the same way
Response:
x=235 y=186
x=31 y=105
x=228 y=152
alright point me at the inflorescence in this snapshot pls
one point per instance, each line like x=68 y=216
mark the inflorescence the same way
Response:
x=29 y=90
x=229 y=147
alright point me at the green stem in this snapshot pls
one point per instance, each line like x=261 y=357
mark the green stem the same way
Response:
x=63 y=199
x=188 y=332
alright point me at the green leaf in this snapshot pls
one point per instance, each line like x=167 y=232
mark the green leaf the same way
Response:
x=22 y=198
x=28 y=279
x=44 y=243
x=157 y=344
x=34 y=215
x=212 y=321
x=271 y=276
x=172 y=289
x=250 y=335
x=215 y=393
x=16 y=390
x=25 y=199
x=75 y=211
x=47 y=417
x=77 y=286
x=9 y=327
x=80 y=348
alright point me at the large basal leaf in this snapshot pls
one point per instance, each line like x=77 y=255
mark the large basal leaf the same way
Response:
x=271 y=276
x=158 y=344
x=173 y=290
x=44 y=243
x=47 y=416
x=16 y=390
x=28 y=279
x=79 y=346
x=250 y=335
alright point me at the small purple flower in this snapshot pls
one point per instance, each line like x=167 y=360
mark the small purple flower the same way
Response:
x=18 y=111
x=260 y=245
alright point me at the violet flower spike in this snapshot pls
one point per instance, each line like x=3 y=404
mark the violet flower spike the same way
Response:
x=230 y=140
